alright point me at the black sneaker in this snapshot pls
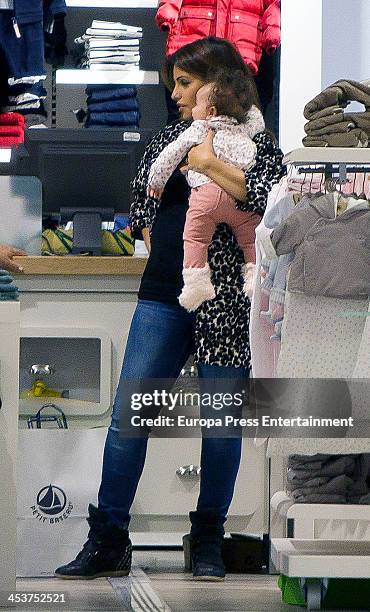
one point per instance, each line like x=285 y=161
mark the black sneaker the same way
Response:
x=107 y=552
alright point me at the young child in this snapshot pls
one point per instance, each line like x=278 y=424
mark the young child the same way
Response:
x=222 y=106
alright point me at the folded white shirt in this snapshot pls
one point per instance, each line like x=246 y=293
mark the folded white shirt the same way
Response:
x=110 y=42
x=95 y=43
x=113 y=53
x=113 y=50
x=128 y=67
x=111 y=33
x=114 y=60
x=112 y=25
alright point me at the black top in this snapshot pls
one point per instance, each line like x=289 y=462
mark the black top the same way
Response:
x=222 y=324
x=162 y=278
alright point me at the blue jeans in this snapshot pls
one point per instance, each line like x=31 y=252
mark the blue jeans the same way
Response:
x=102 y=93
x=123 y=118
x=115 y=106
x=159 y=344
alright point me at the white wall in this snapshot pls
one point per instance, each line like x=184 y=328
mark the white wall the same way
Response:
x=301 y=73
x=346 y=46
x=322 y=41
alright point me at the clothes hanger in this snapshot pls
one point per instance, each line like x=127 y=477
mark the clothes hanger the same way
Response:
x=311 y=181
x=363 y=195
x=321 y=181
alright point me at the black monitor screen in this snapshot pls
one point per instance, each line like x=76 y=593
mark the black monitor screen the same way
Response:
x=85 y=168
x=81 y=178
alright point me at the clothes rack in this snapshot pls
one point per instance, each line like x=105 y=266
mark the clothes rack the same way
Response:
x=336 y=161
x=302 y=554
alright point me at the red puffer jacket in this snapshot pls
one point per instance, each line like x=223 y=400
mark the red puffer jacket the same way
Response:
x=252 y=25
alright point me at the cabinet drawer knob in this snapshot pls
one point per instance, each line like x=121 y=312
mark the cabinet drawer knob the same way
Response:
x=41 y=369
x=188 y=471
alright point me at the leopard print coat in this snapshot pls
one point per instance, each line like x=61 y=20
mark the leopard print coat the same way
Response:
x=222 y=324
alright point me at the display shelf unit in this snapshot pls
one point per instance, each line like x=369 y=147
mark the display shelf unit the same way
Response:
x=5 y=156
x=331 y=161
x=317 y=558
x=9 y=349
x=324 y=541
x=116 y=4
x=82 y=359
x=327 y=155
x=79 y=76
x=70 y=81
x=306 y=518
x=314 y=562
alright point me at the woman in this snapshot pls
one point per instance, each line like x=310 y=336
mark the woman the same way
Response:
x=163 y=334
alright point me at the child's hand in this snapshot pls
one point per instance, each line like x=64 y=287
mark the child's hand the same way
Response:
x=154 y=192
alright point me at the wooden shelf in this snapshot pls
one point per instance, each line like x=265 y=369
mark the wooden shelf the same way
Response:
x=82 y=266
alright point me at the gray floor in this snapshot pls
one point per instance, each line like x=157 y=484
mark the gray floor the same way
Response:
x=158 y=583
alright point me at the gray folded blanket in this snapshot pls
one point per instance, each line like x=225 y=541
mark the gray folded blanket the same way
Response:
x=355 y=138
x=338 y=122
x=340 y=94
x=344 y=464
x=312 y=482
x=321 y=498
x=339 y=485
x=329 y=479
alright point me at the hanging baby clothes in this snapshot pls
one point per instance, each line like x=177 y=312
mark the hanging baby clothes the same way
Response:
x=275 y=282
x=264 y=352
x=319 y=340
x=318 y=235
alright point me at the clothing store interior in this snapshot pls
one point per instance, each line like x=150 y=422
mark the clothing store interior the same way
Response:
x=183 y=389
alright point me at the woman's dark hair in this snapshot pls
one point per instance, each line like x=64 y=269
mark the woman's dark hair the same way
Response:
x=203 y=58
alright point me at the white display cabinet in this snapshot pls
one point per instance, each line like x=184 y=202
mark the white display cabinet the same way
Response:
x=79 y=325
x=9 y=347
x=81 y=359
x=164 y=498
x=86 y=303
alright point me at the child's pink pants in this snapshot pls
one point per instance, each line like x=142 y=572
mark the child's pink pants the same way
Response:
x=210 y=205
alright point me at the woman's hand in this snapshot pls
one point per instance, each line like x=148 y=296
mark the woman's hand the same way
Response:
x=6 y=258
x=201 y=156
